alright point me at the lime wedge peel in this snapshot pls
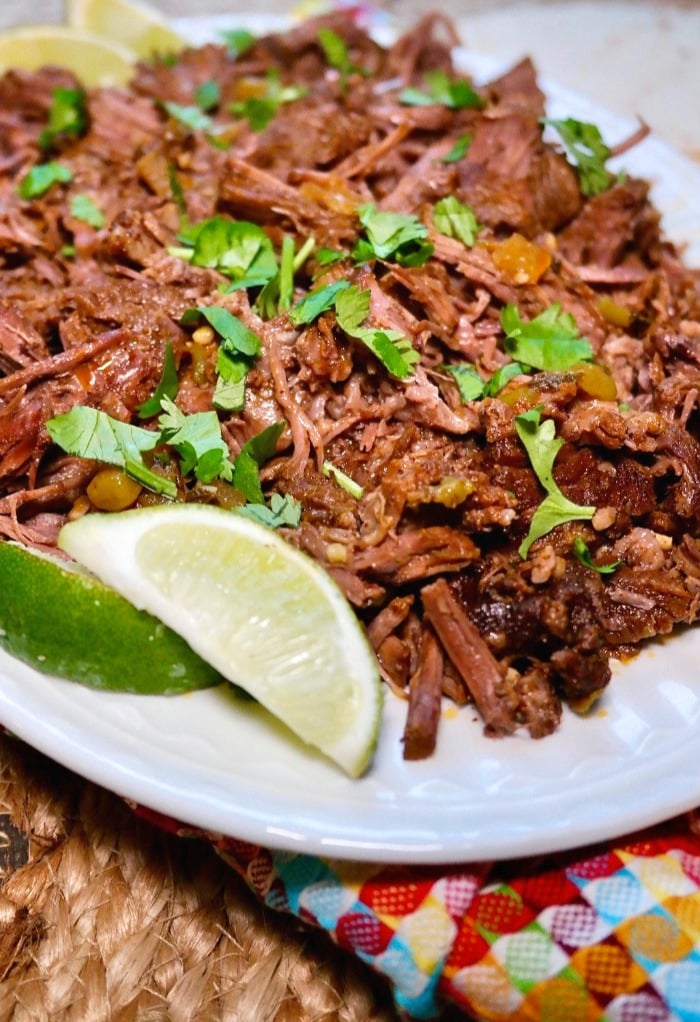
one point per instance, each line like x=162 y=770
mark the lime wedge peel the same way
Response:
x=263 y=614
x=69 y=624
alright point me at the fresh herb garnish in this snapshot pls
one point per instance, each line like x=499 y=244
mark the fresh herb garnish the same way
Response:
x=83 y=208
x=260 y=110
x=583 y=556
x=455 y=93
x=67 y=116
x=542 y=446
x=39 y=179
x=91 y=433
x=167 y=386
x=198 y=441
x=192 y=117
x=397 y=237
x=469 y=382
x=588 y=152
x=254 y=453
x=237 y=248
x=455 y=219
x=336 y=53
x=459 y=150
x=393 y=350
x=312 y=305
x=208 y=95
x=238 y=41
x=550 y=342
x=238 y=348
x=343 y=480
x=471 y=385
x=283 y=511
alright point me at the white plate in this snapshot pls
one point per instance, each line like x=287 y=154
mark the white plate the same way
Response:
x=223 y=766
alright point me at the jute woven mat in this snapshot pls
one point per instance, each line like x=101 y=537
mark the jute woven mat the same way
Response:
x=105 y=918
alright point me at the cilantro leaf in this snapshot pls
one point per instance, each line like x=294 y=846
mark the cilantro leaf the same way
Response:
x=329 y=256
x=588 y=152
x=208 y=95
x=167 y=386
x=456 y=220
x=237 y=248
x=90 y=433
x=238 y=41
x=393 y=350
x=245 y=475
x=542 y=447
x=550 y=342
x=459 y=149
x=238 y=348
x=468 y=380
x=336 y=53
x=39 y=179
x=497 y=382
x=192 y=117
x=260 y=110
x=455 y=93
x=393 y=236
x=583 y=556
x=343 y=480
x=83 y=208
x=283 y=510
x=317 y=302
x=67 y=115
x=197 y=439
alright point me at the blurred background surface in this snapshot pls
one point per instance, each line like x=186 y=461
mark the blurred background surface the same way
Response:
x=637 y=57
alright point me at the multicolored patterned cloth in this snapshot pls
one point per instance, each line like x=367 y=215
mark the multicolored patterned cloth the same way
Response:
x=608 y=934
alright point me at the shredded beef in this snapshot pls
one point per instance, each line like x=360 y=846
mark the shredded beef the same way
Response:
x=426 y=545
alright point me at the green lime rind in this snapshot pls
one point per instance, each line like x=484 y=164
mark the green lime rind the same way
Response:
x=69 y=624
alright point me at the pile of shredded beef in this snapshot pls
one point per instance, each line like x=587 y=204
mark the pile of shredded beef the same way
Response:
x=428 y=554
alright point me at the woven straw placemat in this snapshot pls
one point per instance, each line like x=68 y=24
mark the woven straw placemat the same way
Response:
x=106 y=918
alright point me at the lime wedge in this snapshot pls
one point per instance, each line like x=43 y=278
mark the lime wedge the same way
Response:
x=94 y=59
x=67 y=623
x=266 y=616
x=137 y=25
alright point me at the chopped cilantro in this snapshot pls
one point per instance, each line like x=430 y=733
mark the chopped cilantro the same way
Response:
x=167 y=386
x=90 y=433
x=456 y=220
x=238 y=348
x=336 y=53
x=550 y=342
x=237 y=248
x=455 y=93
x=283 y=510
x=542 y=447
x=459 y=150
x=245 y=475
x=238 y=41
x=208 y=96
x=260 y=110
x=39 y=179
x=343 y=480
x=468 y=380
x=67 y=116
x=472 y=387
x=197 y=439
x=317 y=302
x=329 y=256
x=83 y=208
x=393 y=350
x=399 y=237
x=587 y=150
x=583 y=556
x=192 y=117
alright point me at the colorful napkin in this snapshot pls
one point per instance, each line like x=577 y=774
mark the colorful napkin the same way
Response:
x=610 y=933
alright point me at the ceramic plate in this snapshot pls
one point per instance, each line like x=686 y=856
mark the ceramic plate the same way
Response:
x=226 y=767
